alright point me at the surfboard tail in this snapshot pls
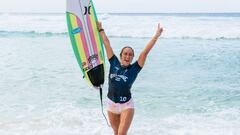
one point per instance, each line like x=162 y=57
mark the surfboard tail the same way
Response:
x=96 y=75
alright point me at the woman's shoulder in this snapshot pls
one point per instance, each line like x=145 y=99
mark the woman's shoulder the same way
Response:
x=114 y=60
x=135 y=67
x=136 y=64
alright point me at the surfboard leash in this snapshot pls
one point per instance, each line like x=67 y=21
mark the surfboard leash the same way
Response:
x=100 y=89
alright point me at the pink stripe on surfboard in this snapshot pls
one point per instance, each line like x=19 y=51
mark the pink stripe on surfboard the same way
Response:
x=92 y=38
x=83 y=40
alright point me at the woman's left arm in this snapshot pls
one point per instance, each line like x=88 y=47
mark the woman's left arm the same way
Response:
x=142 y=58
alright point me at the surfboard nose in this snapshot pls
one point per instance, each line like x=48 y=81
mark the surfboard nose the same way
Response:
x=96 y=75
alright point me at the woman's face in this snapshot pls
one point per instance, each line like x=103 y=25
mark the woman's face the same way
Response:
x=127 y=56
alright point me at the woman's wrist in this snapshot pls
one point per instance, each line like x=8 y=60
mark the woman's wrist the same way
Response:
x=100 y=30
x=155 y=37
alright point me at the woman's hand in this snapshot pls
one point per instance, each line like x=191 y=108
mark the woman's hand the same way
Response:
x=158 y=31
x=99 y=25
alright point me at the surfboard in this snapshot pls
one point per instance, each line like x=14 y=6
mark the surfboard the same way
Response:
x=85 y=39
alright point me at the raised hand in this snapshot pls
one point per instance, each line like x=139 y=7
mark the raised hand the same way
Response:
x=99 y=25
x=158 y=31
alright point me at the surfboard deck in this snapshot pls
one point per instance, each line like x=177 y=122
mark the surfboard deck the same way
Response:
x=85 y=39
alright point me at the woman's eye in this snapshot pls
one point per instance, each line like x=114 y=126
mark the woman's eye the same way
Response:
x=129 y=54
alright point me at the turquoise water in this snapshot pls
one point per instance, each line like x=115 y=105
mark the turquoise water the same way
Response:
x=189 y=85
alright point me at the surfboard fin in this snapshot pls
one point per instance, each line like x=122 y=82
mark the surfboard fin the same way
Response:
x=96 y=75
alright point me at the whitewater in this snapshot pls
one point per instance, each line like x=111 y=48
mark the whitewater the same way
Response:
x=190 y=84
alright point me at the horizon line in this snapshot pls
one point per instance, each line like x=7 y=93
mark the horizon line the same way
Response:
x=126 y=12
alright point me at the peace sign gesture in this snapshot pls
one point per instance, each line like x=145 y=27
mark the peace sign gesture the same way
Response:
x=158 y=31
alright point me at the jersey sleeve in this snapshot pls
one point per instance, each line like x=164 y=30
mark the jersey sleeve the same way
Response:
x=114 y=60
x=136 y=67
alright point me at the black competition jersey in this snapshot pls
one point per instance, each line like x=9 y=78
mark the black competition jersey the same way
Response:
x=121 y=79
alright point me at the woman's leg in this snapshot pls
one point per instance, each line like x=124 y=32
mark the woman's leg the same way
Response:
x=125 y=121
x=114 y=121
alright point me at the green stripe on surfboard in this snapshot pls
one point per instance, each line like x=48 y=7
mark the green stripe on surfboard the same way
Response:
x=100 y=39
x=74 y=44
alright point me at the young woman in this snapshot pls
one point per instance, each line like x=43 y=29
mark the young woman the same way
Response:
x=122 y=74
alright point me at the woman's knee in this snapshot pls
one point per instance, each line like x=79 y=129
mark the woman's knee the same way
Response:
x=122 y=133
x=115 y=131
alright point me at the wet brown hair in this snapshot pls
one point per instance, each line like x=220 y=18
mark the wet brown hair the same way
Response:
x=124 y=48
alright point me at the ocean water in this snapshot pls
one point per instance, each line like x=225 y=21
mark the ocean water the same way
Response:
x=190 y=84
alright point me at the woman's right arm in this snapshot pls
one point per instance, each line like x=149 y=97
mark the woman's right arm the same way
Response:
x=105 y=40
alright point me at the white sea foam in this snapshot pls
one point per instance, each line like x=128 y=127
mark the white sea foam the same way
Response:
x=130 y=25
x=68 y=119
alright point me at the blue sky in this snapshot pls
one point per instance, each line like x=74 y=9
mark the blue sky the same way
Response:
x=143 y=6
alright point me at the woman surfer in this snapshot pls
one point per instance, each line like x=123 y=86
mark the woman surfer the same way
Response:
x=122 y=74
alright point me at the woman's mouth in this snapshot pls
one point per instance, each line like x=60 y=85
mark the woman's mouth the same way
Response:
x=127 y=61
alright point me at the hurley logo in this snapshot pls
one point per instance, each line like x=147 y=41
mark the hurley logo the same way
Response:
x=87 y=10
